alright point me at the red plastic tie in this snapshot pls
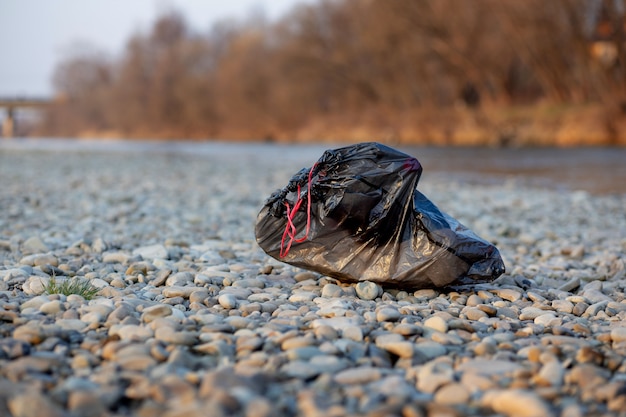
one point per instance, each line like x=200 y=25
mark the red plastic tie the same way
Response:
x=290 y=228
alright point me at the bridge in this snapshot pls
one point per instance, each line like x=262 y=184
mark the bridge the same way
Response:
x=12 y=104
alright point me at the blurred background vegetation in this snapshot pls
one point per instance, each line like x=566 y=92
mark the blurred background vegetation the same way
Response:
x=480 y=72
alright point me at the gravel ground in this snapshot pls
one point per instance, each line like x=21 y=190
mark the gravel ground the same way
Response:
x=193 y=319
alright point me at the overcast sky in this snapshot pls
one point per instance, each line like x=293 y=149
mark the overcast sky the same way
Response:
x=36 y=34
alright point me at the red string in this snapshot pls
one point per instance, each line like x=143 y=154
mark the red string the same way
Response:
x=290 y=228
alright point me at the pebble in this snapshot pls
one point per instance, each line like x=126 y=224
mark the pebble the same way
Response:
x=388 y=314
x=361 y=375
x=580 y=308
x=548 y=320
x=490 y=367
x=508 y=294
x=436 y=323
x=132 y=332
x=452 y=394
x=177 y=337
x=395 y=344
x=430 y=349
x=32 y=334
x=433 y=375
x=618 y=334
x=594 y=309
x=516 y=402
x=570 y=285
x=115 y=258
x=157 y=251
x=33 y=404
x=531 y=313
x=353 y=333
x=474 y=313
x=179 y=279
x=331 y=291
x=563 y=306
x=368 y=290
x=34 y=244
x=228 y=301
x=176 y=291
x=300 y=369
x=151 y=313
x=551 y=374
x=52 y=307
x=193 y=316
x=40 y=259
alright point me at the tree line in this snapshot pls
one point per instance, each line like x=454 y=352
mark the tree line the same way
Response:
x=420 y=71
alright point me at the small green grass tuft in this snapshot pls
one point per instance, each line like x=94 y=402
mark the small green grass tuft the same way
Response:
x=78 y=286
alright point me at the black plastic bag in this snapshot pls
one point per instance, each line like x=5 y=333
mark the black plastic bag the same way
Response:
x=356 y=215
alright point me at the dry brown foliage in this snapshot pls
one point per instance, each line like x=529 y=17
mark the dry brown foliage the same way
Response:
x=498 y=72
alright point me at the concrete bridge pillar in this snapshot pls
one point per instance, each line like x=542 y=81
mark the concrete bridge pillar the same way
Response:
x=8 y=126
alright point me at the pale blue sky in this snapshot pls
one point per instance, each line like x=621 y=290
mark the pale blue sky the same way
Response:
x=36 y=34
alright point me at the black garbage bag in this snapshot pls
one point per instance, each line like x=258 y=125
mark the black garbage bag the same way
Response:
x=356 y=215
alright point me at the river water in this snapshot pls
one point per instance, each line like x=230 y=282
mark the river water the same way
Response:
x=595 y=170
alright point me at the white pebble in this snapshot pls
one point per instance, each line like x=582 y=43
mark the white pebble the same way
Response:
x=228 y=301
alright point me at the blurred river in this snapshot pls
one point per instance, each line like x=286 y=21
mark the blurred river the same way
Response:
x=595 y=170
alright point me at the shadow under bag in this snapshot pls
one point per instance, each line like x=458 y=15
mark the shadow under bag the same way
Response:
x=356 y=215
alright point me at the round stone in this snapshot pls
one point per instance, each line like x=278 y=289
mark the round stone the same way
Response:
x=516 y=402
x=618 y=334
x=228 y=301
x=153 y=312
x=388 y=314
x=368 y=290
x=331 y=291
x=474 y=313
x=436 y=323
x=452 y=394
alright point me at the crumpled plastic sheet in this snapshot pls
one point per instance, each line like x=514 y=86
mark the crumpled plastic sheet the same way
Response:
x=368 y=222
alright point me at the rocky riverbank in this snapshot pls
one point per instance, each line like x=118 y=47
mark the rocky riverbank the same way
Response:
x=193 y=319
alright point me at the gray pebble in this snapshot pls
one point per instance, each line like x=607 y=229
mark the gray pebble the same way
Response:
x=179 y=279
x=168 y=335
x=193 y=314
x=228 y=301
x=368 y=290
x=331 y=291
x=156 y=311
x=33 y=404
x=388 y=314
x=34 y=244
x=361 y=375
x=151 y=252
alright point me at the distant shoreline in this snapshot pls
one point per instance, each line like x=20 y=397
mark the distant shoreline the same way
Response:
x=596 y=170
